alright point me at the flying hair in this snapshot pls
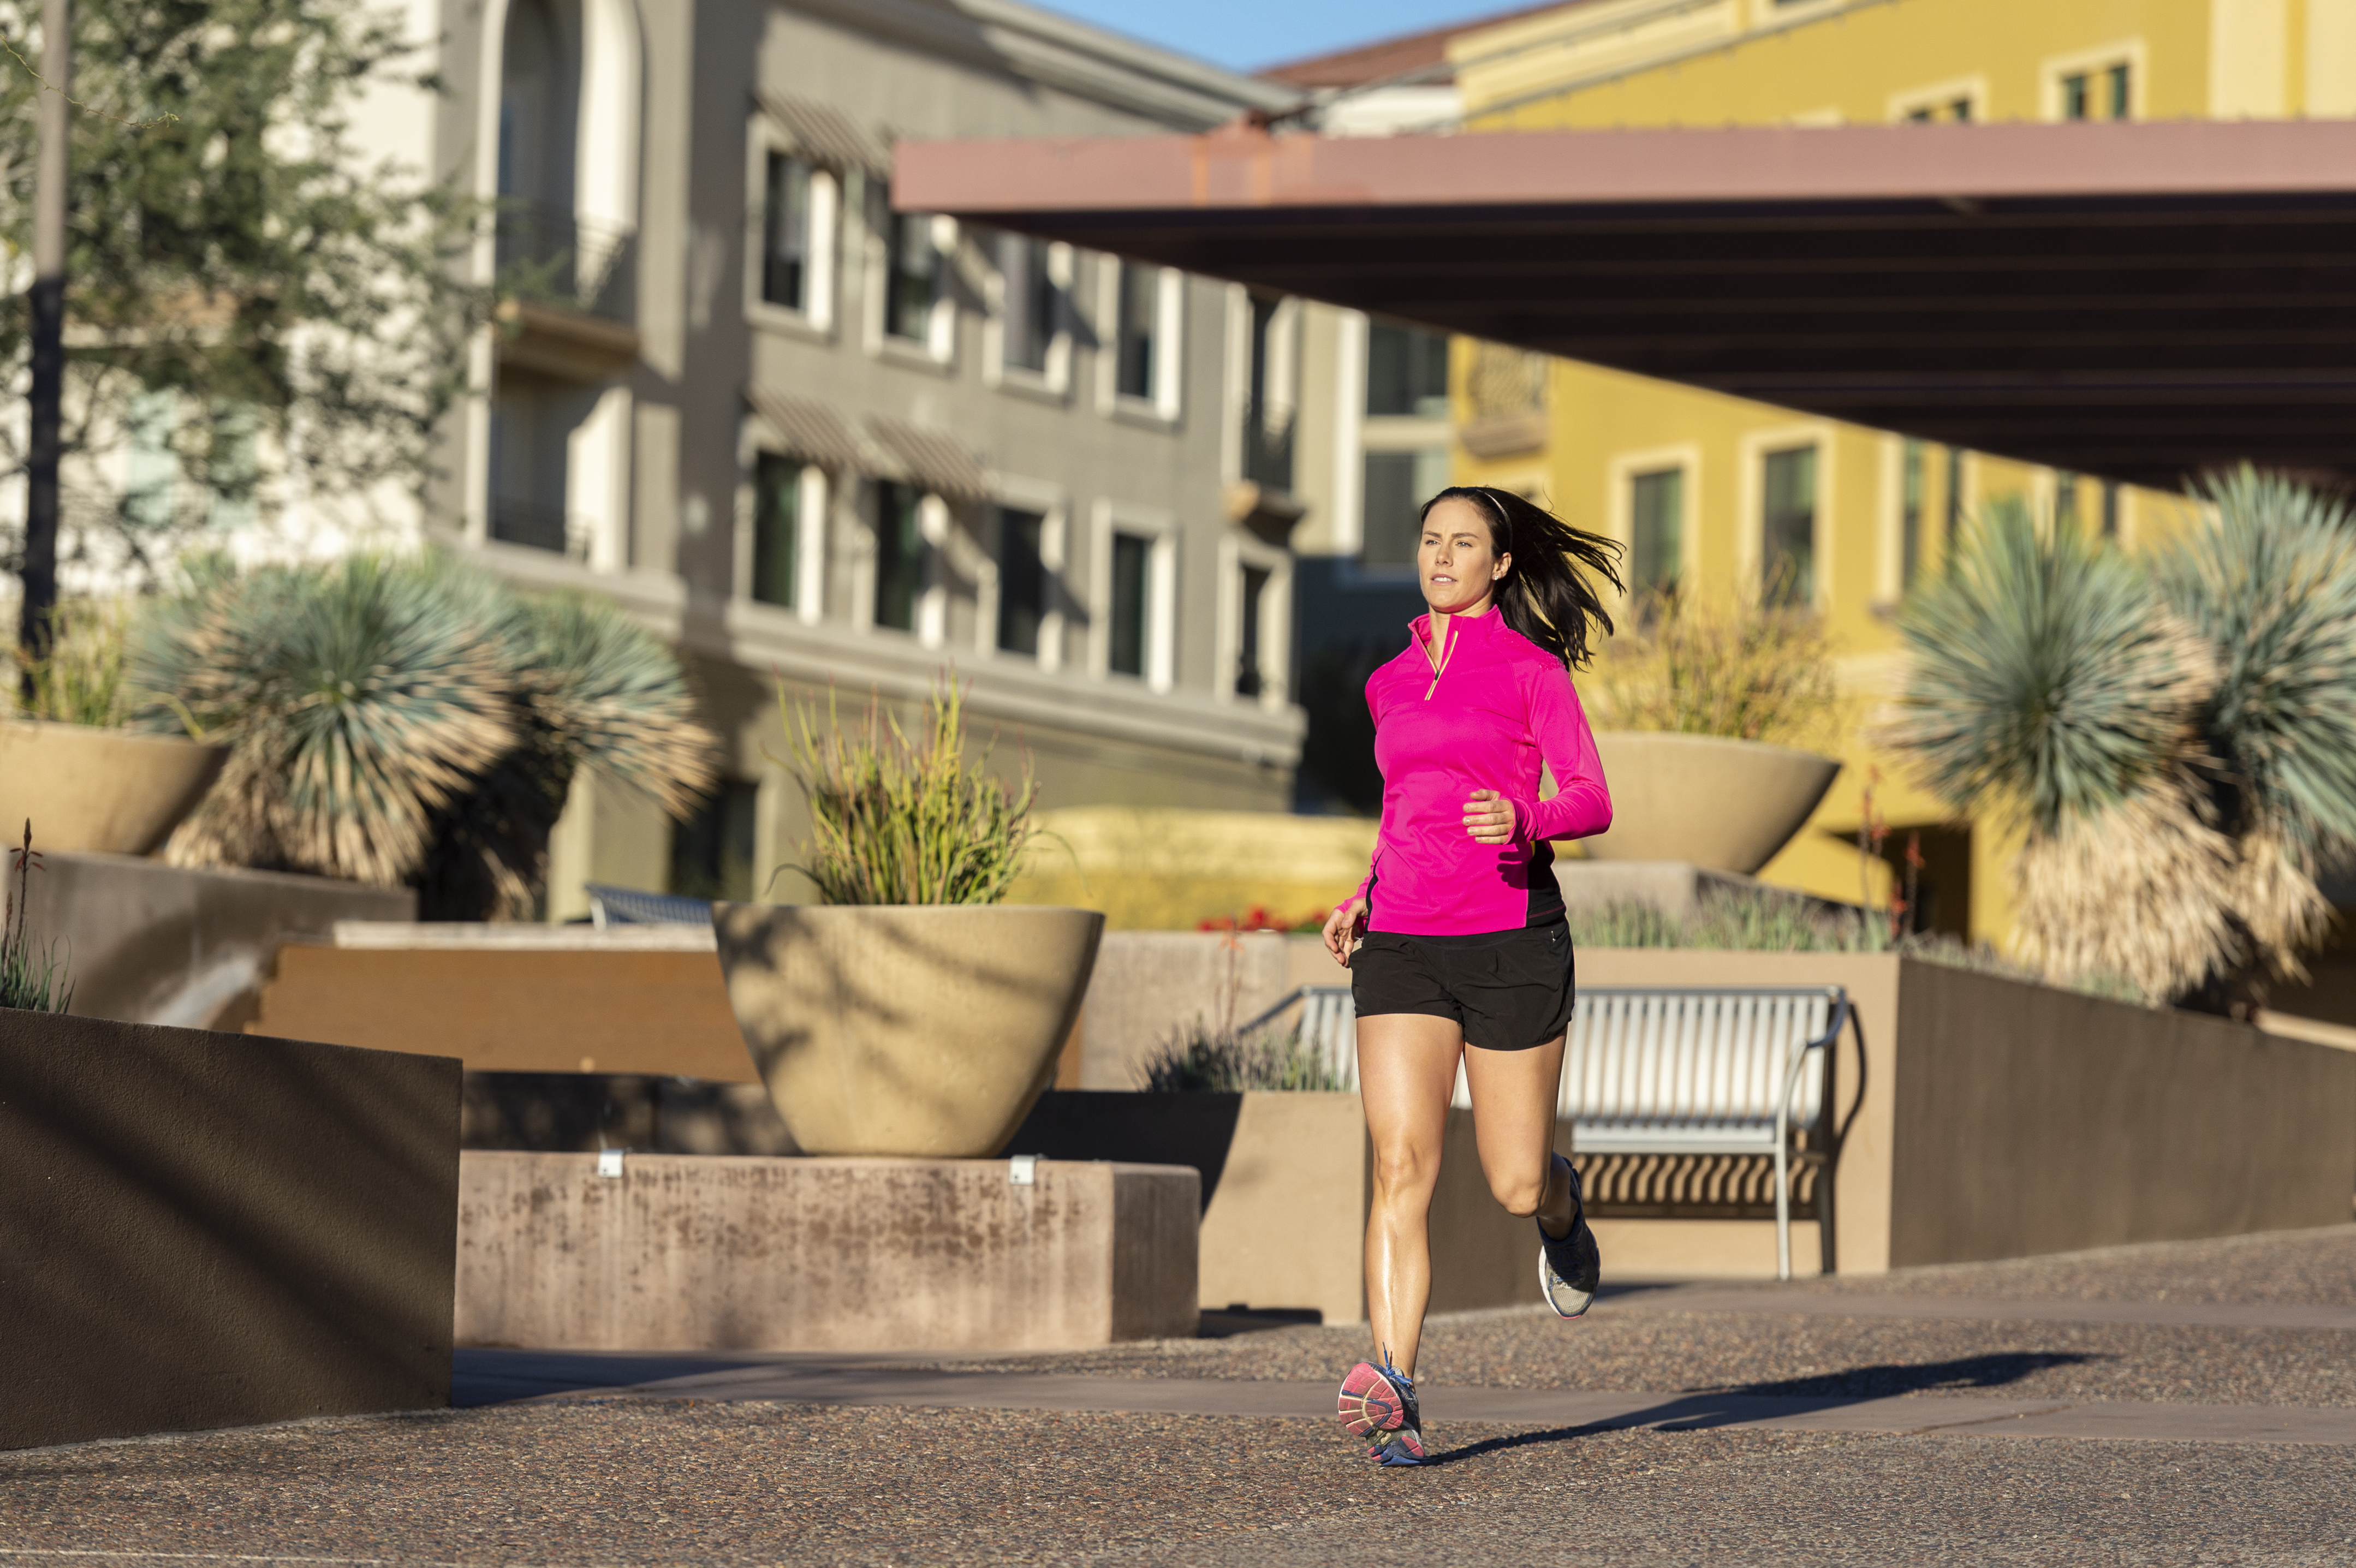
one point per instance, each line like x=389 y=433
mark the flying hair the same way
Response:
x=1546 y=595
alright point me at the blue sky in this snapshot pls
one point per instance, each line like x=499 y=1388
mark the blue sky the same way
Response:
x=1247 y=34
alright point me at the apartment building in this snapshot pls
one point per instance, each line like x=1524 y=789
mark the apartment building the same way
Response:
x=857 y=451
x=1719 y=496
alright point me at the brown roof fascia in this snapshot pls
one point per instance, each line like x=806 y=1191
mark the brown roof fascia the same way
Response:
x=1241 y=168
x=1386 y=58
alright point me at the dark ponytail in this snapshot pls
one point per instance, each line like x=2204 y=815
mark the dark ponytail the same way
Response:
x=1545 y=596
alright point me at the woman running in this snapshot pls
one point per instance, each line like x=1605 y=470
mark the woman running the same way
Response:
x=1456 y=941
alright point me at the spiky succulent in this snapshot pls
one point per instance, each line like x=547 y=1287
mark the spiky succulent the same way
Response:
x=2043 y=674
x=409 y=720
x=2270 y=584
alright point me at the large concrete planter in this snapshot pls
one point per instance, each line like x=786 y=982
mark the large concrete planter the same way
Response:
x=915 y=1029
x=1725 y=805
x=204 y=1230
x=107 y=791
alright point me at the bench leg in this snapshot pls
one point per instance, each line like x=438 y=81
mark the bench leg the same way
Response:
x=1825 y=1214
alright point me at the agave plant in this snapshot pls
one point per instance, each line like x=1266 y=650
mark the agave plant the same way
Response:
x=408 y=721
x=2048 y=681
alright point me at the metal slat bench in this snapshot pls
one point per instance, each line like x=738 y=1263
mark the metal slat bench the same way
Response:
x=1673 y=1071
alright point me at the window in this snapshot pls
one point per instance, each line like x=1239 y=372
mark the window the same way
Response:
x=1954 y=523
x=1910 y=516
x=1788 y=523
x=1137 y=331
x=2065 y=496
x=1030 y=305
x=1022 y=579
x=1396 y=485
x=712 y=851
x=1657 y=514
x=786 y=231
x=1132 y=602
x=1250 y=606
x=1958 y=109
x=912 y=277
x=899 y=555
x=1269 y=395
x=776 y=529
x=1406 y=372
x=2105 y=92
x=2109 y=510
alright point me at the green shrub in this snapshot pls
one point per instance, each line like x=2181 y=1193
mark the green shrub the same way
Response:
x=1736 y=670
x=1200 y=1058
x=83 y=679
x=896 y=820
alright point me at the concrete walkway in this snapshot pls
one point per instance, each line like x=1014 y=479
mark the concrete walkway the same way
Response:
x=813 y=1381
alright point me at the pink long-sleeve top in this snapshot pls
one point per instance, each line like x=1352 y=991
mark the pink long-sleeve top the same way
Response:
x=1498 y=708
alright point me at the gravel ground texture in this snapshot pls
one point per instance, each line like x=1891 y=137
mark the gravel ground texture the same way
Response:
x=2302 y=1268
x=1644 y=1344
x=630 y=1482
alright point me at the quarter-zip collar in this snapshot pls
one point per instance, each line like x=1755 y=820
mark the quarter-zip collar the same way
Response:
x=1450 y=631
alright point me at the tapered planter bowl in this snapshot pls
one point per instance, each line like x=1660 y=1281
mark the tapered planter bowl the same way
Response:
x=1728 y=805
x=109 y=791
x=914 y=1030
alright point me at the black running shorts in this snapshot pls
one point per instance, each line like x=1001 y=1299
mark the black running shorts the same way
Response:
x=1509 y=990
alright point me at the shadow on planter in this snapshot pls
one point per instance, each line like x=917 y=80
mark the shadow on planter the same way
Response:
x=211 y=1230
x=1151 y=1129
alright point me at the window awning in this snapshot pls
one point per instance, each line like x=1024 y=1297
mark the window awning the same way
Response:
x=826 y=133
x=809 y=431
x=2135 y=300
x=930 y=458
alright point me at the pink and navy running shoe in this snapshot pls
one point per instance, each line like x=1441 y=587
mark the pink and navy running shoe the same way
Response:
x=1377 y=1399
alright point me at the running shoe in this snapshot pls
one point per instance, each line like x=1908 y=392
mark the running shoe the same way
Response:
x=1377 y=1399
x=1570 y=1267
x=1398 y=1449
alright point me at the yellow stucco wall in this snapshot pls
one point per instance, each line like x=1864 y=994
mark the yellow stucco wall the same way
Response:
x=1757 y=62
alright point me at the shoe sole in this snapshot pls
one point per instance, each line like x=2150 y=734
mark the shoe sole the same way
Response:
x=1369 y=1402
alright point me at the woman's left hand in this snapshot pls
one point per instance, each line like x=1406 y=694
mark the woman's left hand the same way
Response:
x=1489 y=817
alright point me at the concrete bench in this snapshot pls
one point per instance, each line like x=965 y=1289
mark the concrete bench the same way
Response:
x=1684 y=1072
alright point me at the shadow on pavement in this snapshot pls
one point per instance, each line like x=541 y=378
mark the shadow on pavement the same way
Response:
x=1854 y=1385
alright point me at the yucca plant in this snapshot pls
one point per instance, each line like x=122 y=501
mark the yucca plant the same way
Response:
x=2270 y=583
x=903 y=820
x=408 y=721
x=2180 y=744
x=1742 y=671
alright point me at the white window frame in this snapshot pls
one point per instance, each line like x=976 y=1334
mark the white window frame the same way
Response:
x=815 y=495
x=1238 y=549
x=1163 y=409
x=763 y=137
x=1053 y=383
x=939 y=350
x=1347 y=526
x=1050 y=502
x=1751 y=536
x=1620 y=502
x=2053 y=69
x=1938 y=95
x=1161 y=592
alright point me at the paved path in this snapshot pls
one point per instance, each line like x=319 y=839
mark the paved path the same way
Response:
x=2186 y=1314
x=801 y=1380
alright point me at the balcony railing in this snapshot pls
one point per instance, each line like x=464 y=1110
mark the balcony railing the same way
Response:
x=550 y=255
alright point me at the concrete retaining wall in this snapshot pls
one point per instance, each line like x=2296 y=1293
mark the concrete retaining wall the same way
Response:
x=711 y=1253
x=202 y=1229
x=165 y=944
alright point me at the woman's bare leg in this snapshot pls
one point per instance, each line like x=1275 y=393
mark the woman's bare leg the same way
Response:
x=1513 y=1097
x=1407 y=1072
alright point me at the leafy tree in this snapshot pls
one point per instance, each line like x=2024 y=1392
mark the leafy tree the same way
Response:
x=244 y=284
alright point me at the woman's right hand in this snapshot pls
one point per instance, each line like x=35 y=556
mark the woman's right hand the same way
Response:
x=1342 y=930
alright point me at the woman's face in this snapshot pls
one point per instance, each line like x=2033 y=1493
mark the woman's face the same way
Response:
x=1458 y=559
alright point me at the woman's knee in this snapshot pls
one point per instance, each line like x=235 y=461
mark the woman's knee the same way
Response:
x=1520 y=1192
x=1404 y=1168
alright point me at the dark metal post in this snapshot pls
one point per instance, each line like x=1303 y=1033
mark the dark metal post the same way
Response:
x=40 y=566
